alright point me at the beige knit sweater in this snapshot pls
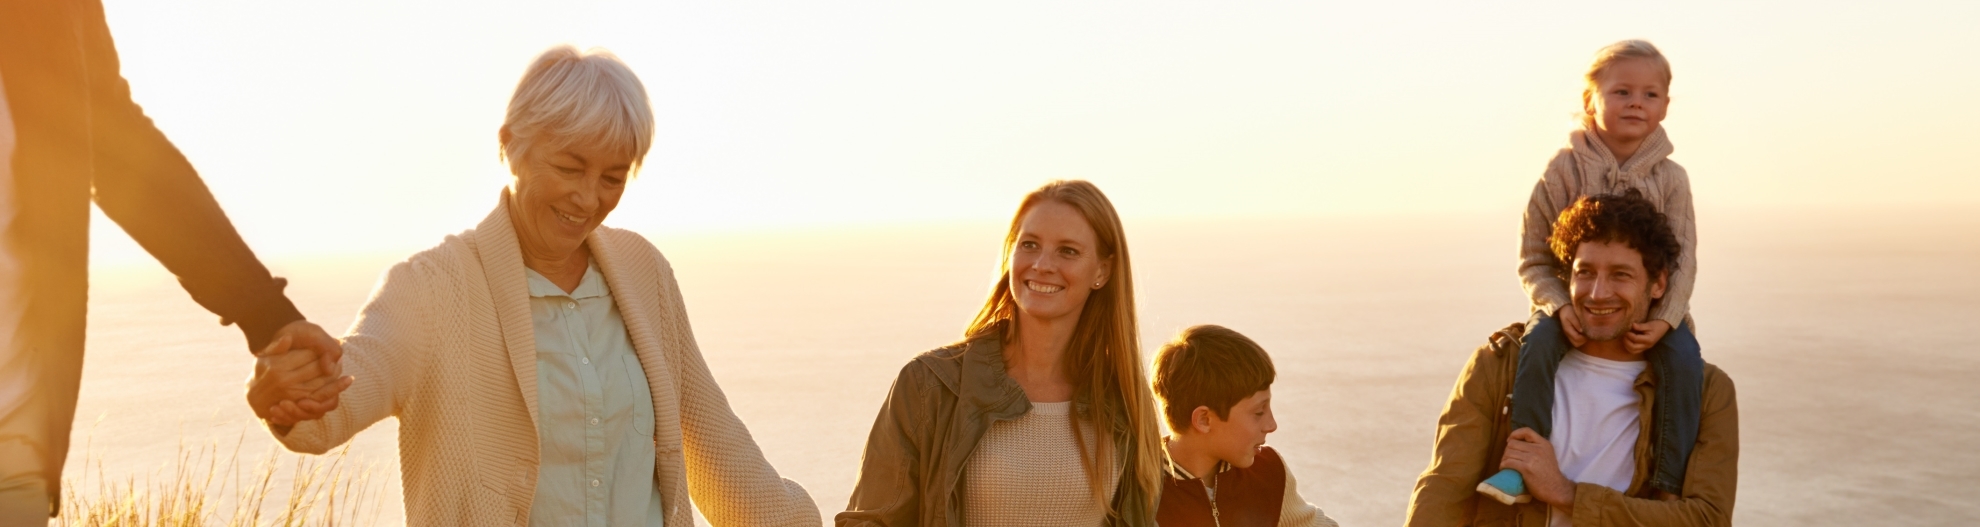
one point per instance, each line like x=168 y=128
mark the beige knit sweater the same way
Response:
x=445 y=345
x=1587 y=168
x=1027 y=471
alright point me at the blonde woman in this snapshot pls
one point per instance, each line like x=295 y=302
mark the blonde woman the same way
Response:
x=1042 y=415
x=540 y=365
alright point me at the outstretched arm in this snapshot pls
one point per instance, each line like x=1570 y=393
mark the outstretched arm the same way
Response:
x=387 y=354
x=145 y=185
x=728 y=476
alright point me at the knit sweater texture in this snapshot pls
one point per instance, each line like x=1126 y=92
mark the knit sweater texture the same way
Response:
x=445 y=345
x=1586 y=167
x=1027 y=471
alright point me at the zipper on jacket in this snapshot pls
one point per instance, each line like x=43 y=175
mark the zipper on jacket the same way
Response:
x=1215 y=519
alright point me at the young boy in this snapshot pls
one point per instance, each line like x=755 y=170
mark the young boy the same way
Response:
x=1216 y=390
x=1621 y=147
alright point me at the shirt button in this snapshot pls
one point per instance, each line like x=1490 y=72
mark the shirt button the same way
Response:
x=586 y=360
x=570 y=305
x=594 y=420
x=594 y=483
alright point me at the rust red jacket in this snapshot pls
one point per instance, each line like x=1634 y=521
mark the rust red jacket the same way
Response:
x=1261 y=495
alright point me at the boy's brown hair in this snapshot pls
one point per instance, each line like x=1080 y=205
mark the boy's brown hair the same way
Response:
x=1211 y=366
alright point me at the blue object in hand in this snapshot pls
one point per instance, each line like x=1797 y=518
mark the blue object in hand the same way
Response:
x=1506 y=486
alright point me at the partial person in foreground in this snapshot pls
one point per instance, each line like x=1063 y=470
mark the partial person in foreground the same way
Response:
x=1041 y=415
x=1216 y=391
x=1621 y=146
x=541 y=365
x=1595 y=469
x=70 y=135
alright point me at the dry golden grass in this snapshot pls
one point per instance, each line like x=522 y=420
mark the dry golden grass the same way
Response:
x=206 y=490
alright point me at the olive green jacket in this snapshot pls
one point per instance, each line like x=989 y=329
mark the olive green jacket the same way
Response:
x=1471 y=438
x=939 y=408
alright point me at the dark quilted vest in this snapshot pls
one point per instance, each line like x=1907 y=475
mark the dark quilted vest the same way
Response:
x=1246 y=497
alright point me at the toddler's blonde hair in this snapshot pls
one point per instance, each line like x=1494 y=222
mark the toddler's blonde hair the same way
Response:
x=1610 y=55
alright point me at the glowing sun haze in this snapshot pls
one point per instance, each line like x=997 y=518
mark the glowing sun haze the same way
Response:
x=370 y=126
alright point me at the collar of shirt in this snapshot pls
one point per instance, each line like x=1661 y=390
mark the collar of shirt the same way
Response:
x=1645 y=379
x=1177 y=472
x=591 y=286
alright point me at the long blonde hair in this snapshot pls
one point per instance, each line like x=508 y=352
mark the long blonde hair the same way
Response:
x=1608 y=56
x=1103 y=358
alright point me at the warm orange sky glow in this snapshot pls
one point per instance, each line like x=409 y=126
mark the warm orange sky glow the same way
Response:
x=370 y=126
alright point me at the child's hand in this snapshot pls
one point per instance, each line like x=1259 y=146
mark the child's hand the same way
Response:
x=1571 y=326
x=1642 y=336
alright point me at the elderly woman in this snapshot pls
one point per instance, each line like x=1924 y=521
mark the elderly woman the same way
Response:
x=541 y=366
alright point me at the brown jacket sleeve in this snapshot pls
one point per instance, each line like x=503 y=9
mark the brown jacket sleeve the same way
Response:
x=1446 y=492
x=1709 y=480
x=144 y=184
x=888 y=491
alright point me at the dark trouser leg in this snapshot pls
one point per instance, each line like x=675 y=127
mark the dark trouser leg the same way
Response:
x=1533 y=386
x=1540 y=353
x=1680 y=370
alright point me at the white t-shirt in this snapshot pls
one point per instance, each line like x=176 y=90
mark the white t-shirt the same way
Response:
x=1596 y=422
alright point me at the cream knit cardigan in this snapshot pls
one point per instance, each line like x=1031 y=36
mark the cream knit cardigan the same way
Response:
x=445 y=345
x=1586 y=168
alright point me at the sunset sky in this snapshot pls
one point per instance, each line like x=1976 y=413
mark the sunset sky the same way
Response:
x=370 y=126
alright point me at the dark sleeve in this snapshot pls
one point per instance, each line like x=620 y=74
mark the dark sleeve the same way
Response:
x=888 y=490
x=145 y=185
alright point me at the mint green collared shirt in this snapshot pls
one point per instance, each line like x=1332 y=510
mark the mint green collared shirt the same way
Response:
x=595 y=411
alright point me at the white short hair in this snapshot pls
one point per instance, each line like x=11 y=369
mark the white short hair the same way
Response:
x=569 y=96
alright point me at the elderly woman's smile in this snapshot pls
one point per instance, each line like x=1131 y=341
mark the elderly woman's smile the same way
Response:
x=560 y=197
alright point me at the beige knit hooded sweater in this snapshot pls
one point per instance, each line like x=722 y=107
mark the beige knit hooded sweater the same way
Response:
x=1587 y=168
x=445 y=345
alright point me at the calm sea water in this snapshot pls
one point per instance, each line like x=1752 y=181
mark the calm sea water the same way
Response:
x=1849 y=336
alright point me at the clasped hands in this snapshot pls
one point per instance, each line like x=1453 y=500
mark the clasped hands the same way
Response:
x=297 y=377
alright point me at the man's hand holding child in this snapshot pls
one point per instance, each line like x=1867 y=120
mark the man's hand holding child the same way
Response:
x=1533 y=457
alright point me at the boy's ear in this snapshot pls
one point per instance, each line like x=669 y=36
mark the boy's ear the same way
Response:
x=1199 y=420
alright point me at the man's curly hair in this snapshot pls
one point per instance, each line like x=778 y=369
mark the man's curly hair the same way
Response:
x=1616 y=218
